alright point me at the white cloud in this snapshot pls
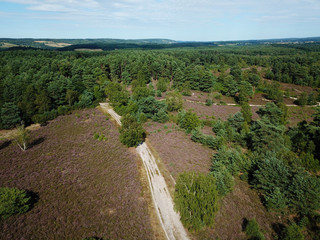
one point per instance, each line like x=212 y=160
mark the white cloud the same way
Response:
x=191 y=15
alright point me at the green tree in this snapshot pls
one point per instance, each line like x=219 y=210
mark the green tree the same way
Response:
x=174 y=101
x=10 y=115
x=71 y=96
x=162 y=84
x=22 y=137
x=273 y=113
x=196 y=199
x=140 y=92
x=246 y=112
x=131 y=132
x=272 y=177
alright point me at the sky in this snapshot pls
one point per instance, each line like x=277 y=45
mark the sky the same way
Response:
x=184 y=20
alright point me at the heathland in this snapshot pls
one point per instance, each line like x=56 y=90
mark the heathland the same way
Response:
x=235 y=130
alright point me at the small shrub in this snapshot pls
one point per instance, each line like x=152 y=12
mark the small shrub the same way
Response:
x=95 y=135
x=218 y=96
x=253 y=230
x=13 y=201
x=158 y=93
x=209 y=102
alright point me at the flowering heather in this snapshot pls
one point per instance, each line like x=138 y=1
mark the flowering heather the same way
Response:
x=242 y=203
x=86 y=187
x=219 y=111
x=178 y=152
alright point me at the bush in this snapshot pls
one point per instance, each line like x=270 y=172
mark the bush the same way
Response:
x=196 y=198
x=253 y=230
x=232 y=159
x=207 y=140
x=188 y=120
x=293 y=232
x=224 y=179
x=161 y=116
x=209 y=102
x=158 y=93
x=13 y=201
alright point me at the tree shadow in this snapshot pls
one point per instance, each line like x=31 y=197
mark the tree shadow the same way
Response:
x=34 y=198
x=4 y=144
x=278 y=228
x=36 y=142
x=244 y=224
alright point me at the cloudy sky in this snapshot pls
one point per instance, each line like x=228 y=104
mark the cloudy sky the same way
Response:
x=191 y=20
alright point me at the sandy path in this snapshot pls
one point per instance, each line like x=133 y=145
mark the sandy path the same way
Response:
x=251 y=105
x=113 y=114
x=169 y=219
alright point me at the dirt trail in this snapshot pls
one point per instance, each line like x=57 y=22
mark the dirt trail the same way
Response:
x=251 y=105
x=113 y=114
x=169 y=219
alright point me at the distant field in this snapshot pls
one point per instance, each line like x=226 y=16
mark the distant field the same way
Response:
x=54 y=44
x=7 y=45
x=88 y=50
x=86 y=187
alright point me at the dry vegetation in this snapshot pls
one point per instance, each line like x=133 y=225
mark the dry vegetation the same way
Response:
x=86 y=187
x=54 y=44
x=178 y=152
x=7 y=45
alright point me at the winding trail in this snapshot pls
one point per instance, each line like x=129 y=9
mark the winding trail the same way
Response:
x=169 y=219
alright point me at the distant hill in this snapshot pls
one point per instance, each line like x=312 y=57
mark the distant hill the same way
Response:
x=107 y=44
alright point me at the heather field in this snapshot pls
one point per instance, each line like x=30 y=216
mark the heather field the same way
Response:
x=218 y=111
x=240 y=205
x=177 y=151
x=180 y=154
x=85 y=187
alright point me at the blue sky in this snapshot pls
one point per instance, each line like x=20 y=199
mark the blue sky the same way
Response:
x=190 y=20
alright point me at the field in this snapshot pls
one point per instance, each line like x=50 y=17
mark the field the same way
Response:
x=7 y=45
x=54 y=44
x=82 y=187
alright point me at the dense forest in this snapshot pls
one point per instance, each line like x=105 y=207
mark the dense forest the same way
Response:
x=281 y=163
